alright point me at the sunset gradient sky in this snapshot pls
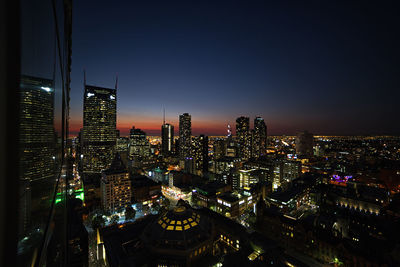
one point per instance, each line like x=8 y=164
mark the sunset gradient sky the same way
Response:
x=324 y=66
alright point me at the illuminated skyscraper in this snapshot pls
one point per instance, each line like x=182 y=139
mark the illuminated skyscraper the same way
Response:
x=99 y=128
x=200 y=154
x=37 y=144
x=167 y=138
x=259 y=139
x=139 y=146
x=243 y=137
x=304 y=144
x=37 y=135
x=185 y=136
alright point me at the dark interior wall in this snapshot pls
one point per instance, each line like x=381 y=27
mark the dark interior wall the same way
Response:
x=9 y=81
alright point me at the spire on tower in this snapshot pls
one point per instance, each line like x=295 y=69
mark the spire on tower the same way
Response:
x=116 y=82
x=84 y=77
x=164 y=116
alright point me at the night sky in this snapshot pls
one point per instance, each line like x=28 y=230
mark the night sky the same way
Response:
x=324 y=66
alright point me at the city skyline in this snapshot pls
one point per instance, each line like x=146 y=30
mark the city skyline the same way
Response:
x=200 y=133
x=295 y=65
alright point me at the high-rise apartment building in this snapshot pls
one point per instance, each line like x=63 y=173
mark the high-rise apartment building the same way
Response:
x=304 y=144
x=259 y=138
x=167 y=139
x=185 y=136
x=200 y=154
x=243 y=137
x=99 y=128
x=115 y=186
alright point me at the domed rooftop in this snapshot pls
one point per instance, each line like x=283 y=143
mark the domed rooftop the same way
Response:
x=180 y=219
x=180 y=228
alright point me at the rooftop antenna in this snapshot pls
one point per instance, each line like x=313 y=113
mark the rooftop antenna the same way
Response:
x=164 y=116
x=116 y=82
x=84 y=77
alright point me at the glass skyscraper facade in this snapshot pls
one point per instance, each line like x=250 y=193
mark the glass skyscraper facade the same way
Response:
x=259 y=138
x=185 y=136
x=37 y=147
x=36 y=153
x=99 y=128
x=167 y=139
x=139 y=146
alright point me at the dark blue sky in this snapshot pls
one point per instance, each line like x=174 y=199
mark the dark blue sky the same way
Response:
x=331 y=68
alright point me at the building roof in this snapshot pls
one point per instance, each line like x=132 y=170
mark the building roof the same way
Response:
x=143 y=181
x=117 y=166
x=286 y=196
x=210 y=188
x=229 y=196
x=180 y=229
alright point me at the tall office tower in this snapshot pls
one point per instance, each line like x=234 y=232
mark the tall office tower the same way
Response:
x=304 y=144
x=99 y=128
x=200 y=154
x=259 y=138
x=115 y=186
x=37 y=136
x=185 y=136
x=243 y=137
x=167 y=139
x=37 y=144
x=139 y=146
